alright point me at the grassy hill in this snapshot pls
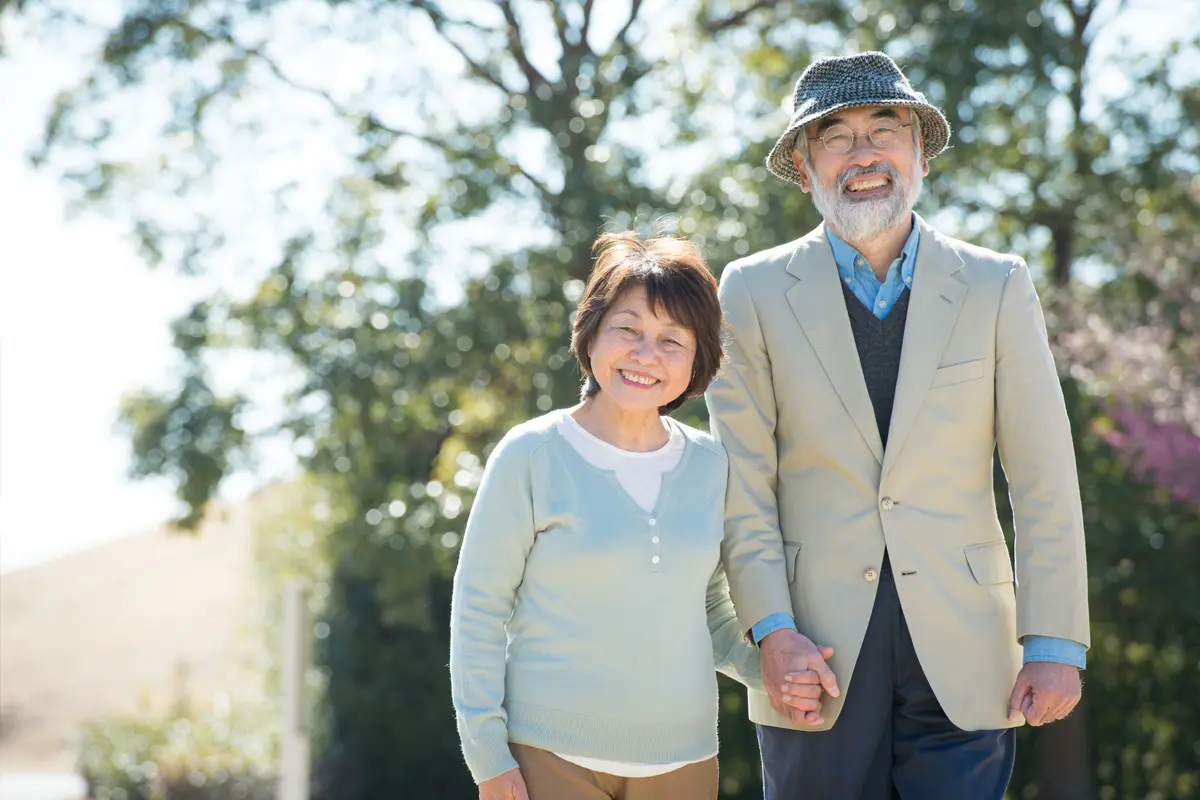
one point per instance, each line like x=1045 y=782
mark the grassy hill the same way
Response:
x=124 y=627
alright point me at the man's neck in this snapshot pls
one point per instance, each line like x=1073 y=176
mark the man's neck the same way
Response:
x=883 y=248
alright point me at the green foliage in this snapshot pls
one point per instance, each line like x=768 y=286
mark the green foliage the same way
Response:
x=1144 y=666
x=1140 y=686
x=219 y=754
x=192 y=436
x=379 y=679
x=402 y=387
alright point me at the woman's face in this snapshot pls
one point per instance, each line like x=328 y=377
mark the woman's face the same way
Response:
x=640 y=359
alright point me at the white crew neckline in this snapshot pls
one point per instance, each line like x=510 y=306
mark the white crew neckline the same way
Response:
x=674 y=439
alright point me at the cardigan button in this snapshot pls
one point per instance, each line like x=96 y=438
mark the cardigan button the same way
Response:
x=653 y=521
x=654 y=560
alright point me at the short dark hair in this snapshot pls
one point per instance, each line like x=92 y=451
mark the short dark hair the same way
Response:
x=674 y=276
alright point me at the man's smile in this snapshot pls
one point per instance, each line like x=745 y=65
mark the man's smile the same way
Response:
x=866 y=183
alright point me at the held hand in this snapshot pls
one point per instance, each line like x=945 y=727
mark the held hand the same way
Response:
x=505 y=786
x=785 y=651
x=802 y=690
x=1045 y=692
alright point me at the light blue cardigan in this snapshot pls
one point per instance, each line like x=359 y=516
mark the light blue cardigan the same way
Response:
x=583 y=625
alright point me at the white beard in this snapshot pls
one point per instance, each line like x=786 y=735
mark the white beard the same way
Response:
x=862 y=220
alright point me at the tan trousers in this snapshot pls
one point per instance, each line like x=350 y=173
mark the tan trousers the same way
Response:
x=548 y=777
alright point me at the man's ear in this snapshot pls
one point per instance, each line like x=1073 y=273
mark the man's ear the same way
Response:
x=924 y=166
x=805 y=179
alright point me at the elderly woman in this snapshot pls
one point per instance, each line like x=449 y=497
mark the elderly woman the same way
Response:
x=589 y=603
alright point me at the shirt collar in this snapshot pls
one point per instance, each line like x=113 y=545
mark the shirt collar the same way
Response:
x=845 y=256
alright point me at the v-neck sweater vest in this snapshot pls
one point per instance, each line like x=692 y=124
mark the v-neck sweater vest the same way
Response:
x=578 y=621
x=880 y=343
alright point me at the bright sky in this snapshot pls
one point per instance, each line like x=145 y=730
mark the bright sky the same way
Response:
x=83 y=321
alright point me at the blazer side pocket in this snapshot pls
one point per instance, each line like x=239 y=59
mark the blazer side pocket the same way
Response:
x=958 y=373
x=989 y=563
x=791 y=552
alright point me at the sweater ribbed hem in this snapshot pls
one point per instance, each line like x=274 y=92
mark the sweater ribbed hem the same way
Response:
x=638 y=742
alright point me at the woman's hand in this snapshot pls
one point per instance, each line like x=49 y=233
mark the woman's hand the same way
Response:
x=505 y=786
x=802 y=691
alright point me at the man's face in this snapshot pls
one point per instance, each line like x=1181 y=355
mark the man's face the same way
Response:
x=867 y=189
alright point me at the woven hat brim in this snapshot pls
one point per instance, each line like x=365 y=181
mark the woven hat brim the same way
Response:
x=935 y=133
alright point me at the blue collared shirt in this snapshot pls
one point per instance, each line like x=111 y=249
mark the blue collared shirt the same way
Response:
x=856 y=273
x=879 y=296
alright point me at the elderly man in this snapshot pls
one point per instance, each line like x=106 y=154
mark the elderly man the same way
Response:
x=875 y=366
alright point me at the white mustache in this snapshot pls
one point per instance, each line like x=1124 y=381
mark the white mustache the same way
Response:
x=850 y=173
x=859 y=220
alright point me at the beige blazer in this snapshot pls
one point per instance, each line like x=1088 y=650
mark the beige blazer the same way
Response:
x=814 y=498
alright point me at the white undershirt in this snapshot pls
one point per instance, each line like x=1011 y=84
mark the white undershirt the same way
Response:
x=640 y=474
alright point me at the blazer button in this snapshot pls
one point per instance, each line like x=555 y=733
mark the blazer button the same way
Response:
x=871 y=574
x=887 y=503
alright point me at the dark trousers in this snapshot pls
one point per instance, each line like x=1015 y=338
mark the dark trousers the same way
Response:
x=892 y=740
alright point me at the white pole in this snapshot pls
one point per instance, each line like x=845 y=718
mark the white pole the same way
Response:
x=293 y=740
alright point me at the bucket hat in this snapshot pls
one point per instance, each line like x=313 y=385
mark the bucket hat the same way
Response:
x=865 y=79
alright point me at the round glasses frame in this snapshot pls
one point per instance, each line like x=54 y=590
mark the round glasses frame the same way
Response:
x=839 y=139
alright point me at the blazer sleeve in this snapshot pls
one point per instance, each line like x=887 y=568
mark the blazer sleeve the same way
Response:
x=1037 y=453
x=491 y=565
x=742 y=411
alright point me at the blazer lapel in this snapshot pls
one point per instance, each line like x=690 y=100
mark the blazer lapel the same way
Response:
x=819 y=306
x=937 y=296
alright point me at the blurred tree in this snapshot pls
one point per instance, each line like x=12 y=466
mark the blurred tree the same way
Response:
x=423 y=307
x=401 y=369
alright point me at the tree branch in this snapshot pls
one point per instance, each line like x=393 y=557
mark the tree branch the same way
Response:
x=560 y=23
x=273 y=67
x=736 y=18
x=635 y=69
x=478 y=69
x=441 y=144
x=376 y=123
x=622 y=40
x=517 y=48
x=542 y=189
x=1082 y=17
x=439 y=21
x=587 y=24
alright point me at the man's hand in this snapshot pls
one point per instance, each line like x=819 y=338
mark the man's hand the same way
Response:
x=505 y=786
x=803 y=690
x=1045 y=692
x=786 y=652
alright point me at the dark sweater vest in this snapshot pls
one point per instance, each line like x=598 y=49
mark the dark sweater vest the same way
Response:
x=879 y=342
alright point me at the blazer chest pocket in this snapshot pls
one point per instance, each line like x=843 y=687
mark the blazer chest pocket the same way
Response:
x=989 y=563
x=791 y=553
x=958 y=373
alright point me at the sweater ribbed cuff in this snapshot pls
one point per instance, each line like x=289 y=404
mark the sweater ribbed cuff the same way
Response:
x=487 y=759
x=749 y=667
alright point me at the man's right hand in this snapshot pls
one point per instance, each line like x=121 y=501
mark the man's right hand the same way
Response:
x=505 y=786
x=785 y=651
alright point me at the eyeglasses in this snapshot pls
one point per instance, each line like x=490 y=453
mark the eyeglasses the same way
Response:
x=839 y=139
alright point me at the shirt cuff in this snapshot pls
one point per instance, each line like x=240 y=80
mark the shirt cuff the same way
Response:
x=1049 y=648
x=772 y=623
